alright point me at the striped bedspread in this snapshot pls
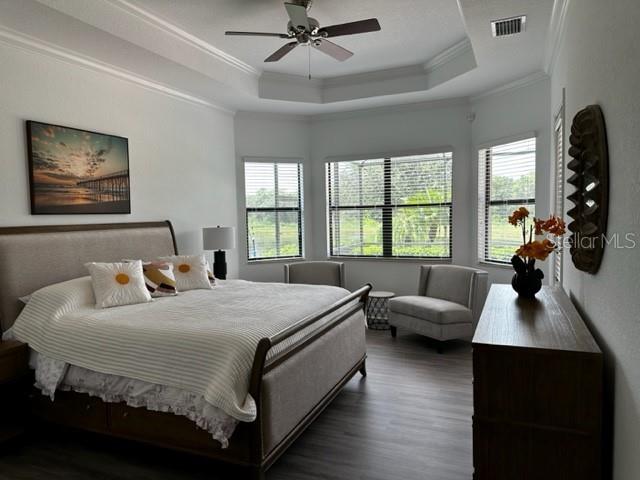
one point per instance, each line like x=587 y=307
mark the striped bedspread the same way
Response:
x=202 y=341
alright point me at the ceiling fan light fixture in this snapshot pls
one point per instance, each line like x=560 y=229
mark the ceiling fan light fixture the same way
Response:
x=307 y=32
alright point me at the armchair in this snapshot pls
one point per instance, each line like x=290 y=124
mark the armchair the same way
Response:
x=315 y=273
x=448 y=305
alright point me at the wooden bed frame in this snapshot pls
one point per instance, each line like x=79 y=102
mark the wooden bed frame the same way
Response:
x=247 y=445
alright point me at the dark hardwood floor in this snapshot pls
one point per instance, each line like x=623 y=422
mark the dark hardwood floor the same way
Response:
x=409 y=419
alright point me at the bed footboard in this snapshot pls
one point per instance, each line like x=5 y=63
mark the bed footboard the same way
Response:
x=294 y=387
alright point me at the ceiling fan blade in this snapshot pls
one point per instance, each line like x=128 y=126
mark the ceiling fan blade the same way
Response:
x=363 y=26
x=333 y=50
x=298 y=16
x=281 y=52
x=258 y=34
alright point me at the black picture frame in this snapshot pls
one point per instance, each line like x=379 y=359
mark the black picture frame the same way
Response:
x=77 y=172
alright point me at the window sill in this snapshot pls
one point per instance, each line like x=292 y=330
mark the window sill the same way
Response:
x=276 y=260
x=434 y=261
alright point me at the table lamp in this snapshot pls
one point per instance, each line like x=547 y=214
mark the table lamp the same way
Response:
x=219 y=239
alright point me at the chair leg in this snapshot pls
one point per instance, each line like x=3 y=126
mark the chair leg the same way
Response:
x=394 y=331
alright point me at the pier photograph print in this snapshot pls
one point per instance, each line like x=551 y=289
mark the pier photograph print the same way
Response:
x=75 y=171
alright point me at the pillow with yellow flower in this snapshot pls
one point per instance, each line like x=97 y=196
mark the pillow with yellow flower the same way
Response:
x=191 y=272
x=116 y=284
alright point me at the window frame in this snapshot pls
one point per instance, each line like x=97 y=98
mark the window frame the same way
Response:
x=485 y=199
x=299 y=208
x=558 y=189
x=387 y=207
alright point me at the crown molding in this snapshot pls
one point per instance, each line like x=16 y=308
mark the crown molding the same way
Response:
x=556 y=34
x=448 y=55
x=450 y=63
x=28 y=43
x=289 y=79
x=405 y=107
x=272 y=116
x=525 y=81
x=192 y=40
x=373 y=76
x=433 y=64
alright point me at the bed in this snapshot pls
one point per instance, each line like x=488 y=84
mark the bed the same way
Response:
x=294 y=372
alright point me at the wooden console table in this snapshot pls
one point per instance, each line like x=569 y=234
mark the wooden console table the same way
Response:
x=537 y=390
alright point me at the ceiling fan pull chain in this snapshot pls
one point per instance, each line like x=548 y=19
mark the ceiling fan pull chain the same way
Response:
x=309 y=48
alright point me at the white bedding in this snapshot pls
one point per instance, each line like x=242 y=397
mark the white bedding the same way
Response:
x=201 y=342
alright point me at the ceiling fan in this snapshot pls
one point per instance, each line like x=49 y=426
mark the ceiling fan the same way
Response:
x=306 y=31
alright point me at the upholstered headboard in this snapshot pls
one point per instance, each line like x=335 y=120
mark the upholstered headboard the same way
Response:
x=34 y=257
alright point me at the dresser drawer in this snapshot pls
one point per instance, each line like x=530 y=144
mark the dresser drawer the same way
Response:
x=508 y=451
x=555 y=389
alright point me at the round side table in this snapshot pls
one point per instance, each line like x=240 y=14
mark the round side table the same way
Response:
x=378 y=310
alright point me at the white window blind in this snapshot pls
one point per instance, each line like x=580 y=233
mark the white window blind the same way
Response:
x=558 y=131
x=274 y=211
x=506 y=181
x=390 y=207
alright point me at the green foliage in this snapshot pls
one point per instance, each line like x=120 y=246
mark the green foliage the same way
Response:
x=263 y=241
x=504 y=238
x=507 y=188
x=265 y=198
x=416 y=231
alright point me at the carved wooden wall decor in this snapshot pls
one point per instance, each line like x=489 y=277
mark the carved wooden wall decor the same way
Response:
x=590 y=164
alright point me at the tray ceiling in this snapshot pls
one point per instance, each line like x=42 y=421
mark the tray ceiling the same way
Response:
x=427 y=50
x=413 y=31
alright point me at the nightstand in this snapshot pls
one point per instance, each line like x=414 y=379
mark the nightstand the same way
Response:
x=14 y=382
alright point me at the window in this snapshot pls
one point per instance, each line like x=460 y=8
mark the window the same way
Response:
x=506 y=181
x=558 y=135
x=273 y=193
x=390 y=207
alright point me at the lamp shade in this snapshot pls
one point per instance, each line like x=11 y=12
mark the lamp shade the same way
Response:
x=218 y=238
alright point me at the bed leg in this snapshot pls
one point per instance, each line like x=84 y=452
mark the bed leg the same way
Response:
x=363 y=368
x=256 y=473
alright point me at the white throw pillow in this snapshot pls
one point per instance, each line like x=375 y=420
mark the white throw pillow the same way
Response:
x=190 y=272
x=116 y=284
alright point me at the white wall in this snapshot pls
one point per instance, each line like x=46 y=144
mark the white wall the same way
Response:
x=181 y=154
x=506 y=115
x=389 y=131
x=598 y=63
x=377 y=132
x=279 y=137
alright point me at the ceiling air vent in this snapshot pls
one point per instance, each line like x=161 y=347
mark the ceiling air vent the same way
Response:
x=508 y=26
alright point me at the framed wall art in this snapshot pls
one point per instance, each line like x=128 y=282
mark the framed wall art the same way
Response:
x=75 y=171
